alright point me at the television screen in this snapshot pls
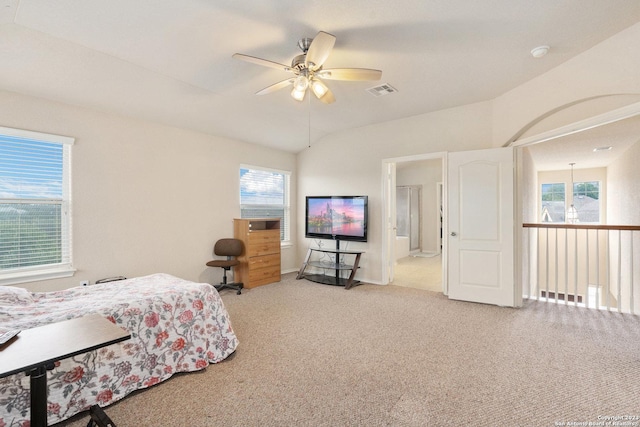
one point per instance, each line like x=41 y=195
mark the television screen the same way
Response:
x=336 y=217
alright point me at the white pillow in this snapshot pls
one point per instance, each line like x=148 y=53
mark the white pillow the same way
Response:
x=11 y=295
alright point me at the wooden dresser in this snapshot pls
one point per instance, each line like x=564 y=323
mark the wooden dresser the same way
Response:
x=260 y=261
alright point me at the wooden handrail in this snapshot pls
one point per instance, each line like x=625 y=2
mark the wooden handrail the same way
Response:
x=582 y=226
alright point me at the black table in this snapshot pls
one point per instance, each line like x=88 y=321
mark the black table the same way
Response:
x=35 y=350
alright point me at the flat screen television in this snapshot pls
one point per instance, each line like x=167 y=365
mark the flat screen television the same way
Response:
x=336 y=218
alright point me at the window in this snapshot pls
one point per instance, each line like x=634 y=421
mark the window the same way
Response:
x=553 y=203
x=264 y=193
x=586 y=199
x=35 y=220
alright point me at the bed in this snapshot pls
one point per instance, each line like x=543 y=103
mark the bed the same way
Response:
x=175 y=326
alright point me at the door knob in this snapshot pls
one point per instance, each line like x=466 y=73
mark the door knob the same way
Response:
x=453 y=234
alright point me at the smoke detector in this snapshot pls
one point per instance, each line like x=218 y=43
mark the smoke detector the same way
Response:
x=540 y=51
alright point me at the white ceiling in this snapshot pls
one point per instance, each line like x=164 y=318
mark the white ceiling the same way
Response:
x=579 y=147
x=170 y=61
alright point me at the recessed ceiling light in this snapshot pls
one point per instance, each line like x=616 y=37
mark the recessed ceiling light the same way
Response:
x=540 y=51
x=595 y=150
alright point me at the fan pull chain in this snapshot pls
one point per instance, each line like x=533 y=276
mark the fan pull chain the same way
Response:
x=309 y=122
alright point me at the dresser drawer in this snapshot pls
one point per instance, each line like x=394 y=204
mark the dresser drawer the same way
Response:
x=263 y=244
x=262 y=276
x=264 y=261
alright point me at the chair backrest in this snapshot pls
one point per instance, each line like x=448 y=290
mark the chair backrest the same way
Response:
x=228 y=247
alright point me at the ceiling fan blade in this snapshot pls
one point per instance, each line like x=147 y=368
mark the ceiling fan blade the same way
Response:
x=319 y=50
x=328 y=97
x=350 y=74
x=275 y=87
x=260 y=61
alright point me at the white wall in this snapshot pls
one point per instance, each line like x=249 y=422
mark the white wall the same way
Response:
x=623 y=208
x=350 y=162
x=527 y=186
x=146 y=198
x=623 y=177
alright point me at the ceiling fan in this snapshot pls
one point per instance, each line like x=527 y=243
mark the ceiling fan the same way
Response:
x=308 y=72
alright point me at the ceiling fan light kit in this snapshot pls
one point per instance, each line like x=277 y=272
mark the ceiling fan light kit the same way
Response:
x=308 y=71
x=301 y=83
x=298 y=95
x=319 y=89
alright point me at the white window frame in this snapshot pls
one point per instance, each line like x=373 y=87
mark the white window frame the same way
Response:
x=542 y=202
x=600 y=200
x=286 y=222
x=569 y=195
x=65 y=267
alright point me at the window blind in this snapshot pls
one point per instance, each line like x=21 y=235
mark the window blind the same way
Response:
x=264 y=193
x=34 y=201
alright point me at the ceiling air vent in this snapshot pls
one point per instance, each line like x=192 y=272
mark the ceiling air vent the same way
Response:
x=383 y=89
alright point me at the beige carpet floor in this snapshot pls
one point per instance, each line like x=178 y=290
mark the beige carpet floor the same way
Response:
x=318 y=355
x=419 y=272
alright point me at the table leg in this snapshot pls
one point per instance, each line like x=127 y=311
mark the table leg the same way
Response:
x=304 y=265
x=99 y=418
x=38 y=383
x=353 y=272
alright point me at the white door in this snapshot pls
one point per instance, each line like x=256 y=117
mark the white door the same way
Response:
x=481 y=226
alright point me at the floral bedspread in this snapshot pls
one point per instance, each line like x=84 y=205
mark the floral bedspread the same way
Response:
x=175 y=326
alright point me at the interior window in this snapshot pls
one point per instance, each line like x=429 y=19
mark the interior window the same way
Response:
x=35 y=211
x=264 y=193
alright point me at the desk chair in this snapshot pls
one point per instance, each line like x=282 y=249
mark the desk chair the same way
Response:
x=230 y=248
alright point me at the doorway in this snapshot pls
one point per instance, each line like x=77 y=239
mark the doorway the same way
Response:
x=414 y=210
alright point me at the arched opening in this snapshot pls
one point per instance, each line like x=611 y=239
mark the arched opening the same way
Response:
x=590 y=263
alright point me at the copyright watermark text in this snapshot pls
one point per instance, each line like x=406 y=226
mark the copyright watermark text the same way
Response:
x=604 y=420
